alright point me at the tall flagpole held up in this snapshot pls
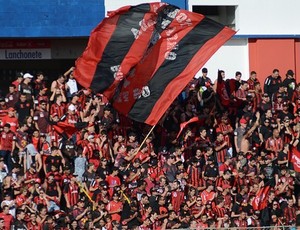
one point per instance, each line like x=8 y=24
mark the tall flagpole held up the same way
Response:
x=143 y=142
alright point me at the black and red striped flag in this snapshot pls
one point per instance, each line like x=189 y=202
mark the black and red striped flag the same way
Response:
x=117 y=44
x=165 y=57
x=66 y=130
x=185 y=46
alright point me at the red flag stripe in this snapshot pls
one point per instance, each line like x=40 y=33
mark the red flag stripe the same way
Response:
x=184 y=124
x=134 y=54
x=261 y=199
x=178 y=83
x=146 y=69
x=86 y=64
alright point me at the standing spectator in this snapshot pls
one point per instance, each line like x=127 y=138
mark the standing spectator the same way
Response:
x=59 y=85
x=24 y=108
x=7 y=145
x=41 y=118
x=33 y=224
x=11 y=119
x=204 y=78
x=221 y=148
x=26 y=88
x=6 y=217
x=170 y=168
x=252 y=80
x=80 y=212
x=266 y=103
x=71 y=85
x=274 y=144
x=177 y=196
x=2 y=224
x=113 y=181
x=12 y=97
x=290 y=212
x=18 y=81
x=3 y=108
x=239 y=133
x=59 y=107
x=20 y=223
x=272 y=83
x=39 y=83
x=71 y=192
x=290 y=83
x=115 y=207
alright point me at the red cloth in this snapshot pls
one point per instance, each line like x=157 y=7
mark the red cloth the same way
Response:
x=261 y=199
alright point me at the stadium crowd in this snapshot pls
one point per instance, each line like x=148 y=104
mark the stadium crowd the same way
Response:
x=103 y=176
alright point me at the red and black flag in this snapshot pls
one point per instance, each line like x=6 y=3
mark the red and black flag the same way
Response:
x=118 y=43
x=142 y=57
x=184 y=124
x=260 y=201
x=66 y=130
x=185 y=46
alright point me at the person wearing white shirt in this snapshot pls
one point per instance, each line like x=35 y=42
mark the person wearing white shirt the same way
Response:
x=71 y=85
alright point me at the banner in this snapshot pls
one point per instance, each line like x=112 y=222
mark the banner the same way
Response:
x=142 y=57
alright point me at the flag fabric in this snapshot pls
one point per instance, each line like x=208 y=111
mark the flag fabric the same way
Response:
x=222 y=91
x=184 y=124
x=142 y=82
x=174 y=60
x=295 y=159
x=260 y=201
x=66 y=130
x=117 y=44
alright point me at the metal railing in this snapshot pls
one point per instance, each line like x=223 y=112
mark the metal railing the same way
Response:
x=248 y=228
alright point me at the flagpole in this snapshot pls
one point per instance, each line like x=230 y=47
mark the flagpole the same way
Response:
x=143 y=142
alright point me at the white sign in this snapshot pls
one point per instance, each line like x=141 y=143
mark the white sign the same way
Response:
x=25 y=54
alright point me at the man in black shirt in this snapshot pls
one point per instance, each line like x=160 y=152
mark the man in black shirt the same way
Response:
x=19 y=223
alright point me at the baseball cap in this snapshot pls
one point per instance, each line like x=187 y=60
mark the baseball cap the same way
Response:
x=11 y=109
x=243 y=121
x=204 y=70
x=91 y=137
x=290 y=72
x=27 y=75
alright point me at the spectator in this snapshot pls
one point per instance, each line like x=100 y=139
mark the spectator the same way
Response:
x=25 y=87
x=6 y=218
x=272 y=83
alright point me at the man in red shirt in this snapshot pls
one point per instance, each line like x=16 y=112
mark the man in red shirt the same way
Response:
x=115 y=208
x=113 y=181
x=143 y=154
x=11 y=119
x=7 y=145
x=8 y=218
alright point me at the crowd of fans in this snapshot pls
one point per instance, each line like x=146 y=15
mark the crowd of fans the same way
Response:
x=105 y=177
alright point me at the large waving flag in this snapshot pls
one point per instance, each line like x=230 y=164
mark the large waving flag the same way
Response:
x=143 y=81
x=117 y=44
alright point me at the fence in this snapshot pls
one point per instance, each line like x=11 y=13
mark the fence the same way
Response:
x=247 y=228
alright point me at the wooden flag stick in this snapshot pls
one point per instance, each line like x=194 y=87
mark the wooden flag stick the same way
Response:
x=143 y=142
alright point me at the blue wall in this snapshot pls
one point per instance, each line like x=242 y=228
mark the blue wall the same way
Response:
x=49 y=18
x=180 y=3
